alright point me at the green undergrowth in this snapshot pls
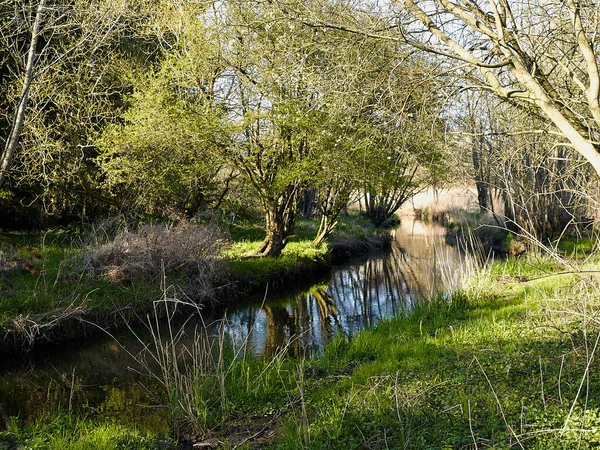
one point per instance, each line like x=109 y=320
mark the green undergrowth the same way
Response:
x=577 y=246
x=65 y=432
x=499 y=366
x=299 y=257
x=44 y=279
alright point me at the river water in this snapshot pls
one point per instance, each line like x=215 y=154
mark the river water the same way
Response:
x=102 y=379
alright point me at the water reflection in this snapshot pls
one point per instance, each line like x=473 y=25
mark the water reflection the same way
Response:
x=97 y=378
x=357 y=296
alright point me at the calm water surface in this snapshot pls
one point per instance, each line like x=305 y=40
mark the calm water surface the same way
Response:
x=102 y=379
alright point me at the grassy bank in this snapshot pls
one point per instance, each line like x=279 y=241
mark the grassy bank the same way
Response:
x=505 y=363
x=354 y=236
x=508 y=362
x=64 y=283
x=501 y=365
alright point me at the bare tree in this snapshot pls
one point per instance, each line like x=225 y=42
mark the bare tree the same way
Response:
x=542 y=53
x=12 y=141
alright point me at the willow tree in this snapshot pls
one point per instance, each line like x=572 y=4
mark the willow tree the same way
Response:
x=274 y=104
x=386 y=103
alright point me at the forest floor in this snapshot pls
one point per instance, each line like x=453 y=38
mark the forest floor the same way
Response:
x=508 y=361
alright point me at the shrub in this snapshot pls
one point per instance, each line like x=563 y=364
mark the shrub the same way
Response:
x=152 y=250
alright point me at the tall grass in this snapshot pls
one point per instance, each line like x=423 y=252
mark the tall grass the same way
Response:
x=207 y=379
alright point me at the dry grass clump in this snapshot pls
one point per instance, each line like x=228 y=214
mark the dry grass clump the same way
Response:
x=152 y=250
x=9 y=259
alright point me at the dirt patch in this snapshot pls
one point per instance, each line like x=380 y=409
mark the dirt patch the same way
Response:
x=254 y=432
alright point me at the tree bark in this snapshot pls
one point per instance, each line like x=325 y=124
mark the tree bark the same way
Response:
x=483 y=192
x=12 y=141
x=276 y=235
x=326 y=227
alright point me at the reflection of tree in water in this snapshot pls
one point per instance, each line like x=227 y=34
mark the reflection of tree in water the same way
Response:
x=278 y=328
x=376 y=288
x=357 y=296
x=97 y=379
x=295 y=327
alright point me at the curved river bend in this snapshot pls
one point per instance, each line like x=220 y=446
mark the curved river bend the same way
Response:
x=99 y=378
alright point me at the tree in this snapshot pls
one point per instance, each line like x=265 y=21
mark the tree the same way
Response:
x=275 y=103
x=58 y=100
x=165 y=155
x=408 y=142
x=542 y=185
x=12 y=140
x=541 y=54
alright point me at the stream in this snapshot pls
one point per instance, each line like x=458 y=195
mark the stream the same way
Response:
x=101 y=379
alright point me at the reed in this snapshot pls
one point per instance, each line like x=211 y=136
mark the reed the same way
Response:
x=206 y=378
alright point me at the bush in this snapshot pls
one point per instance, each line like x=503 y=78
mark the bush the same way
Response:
x=151 y=250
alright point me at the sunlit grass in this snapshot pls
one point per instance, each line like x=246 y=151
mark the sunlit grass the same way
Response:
x=497 y=363
x=65 y=432
x=491 y=369
x=298 y=256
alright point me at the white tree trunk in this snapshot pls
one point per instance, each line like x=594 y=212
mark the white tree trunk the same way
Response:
x=12 y=141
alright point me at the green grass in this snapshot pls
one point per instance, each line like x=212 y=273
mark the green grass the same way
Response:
x=450 y=374
x=575 y=247
x=298 y=258
x=60 y=282
x=496 y=365
x=65 y=432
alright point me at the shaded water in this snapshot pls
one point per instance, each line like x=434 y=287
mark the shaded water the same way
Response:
x=100 y=378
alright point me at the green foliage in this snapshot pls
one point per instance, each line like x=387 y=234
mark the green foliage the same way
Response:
x=573 y=246
x=65 y=432
x=164 y=155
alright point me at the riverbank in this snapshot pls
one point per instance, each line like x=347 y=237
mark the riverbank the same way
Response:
x=55 y=289
x=506 y=362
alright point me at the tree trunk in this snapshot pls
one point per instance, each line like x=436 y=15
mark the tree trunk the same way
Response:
x=275 y=240
x=483 y=193
x=19 y=118
x=326 y=227
x=306 y=204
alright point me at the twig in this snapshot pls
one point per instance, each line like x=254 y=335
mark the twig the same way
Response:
x=508 y=427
